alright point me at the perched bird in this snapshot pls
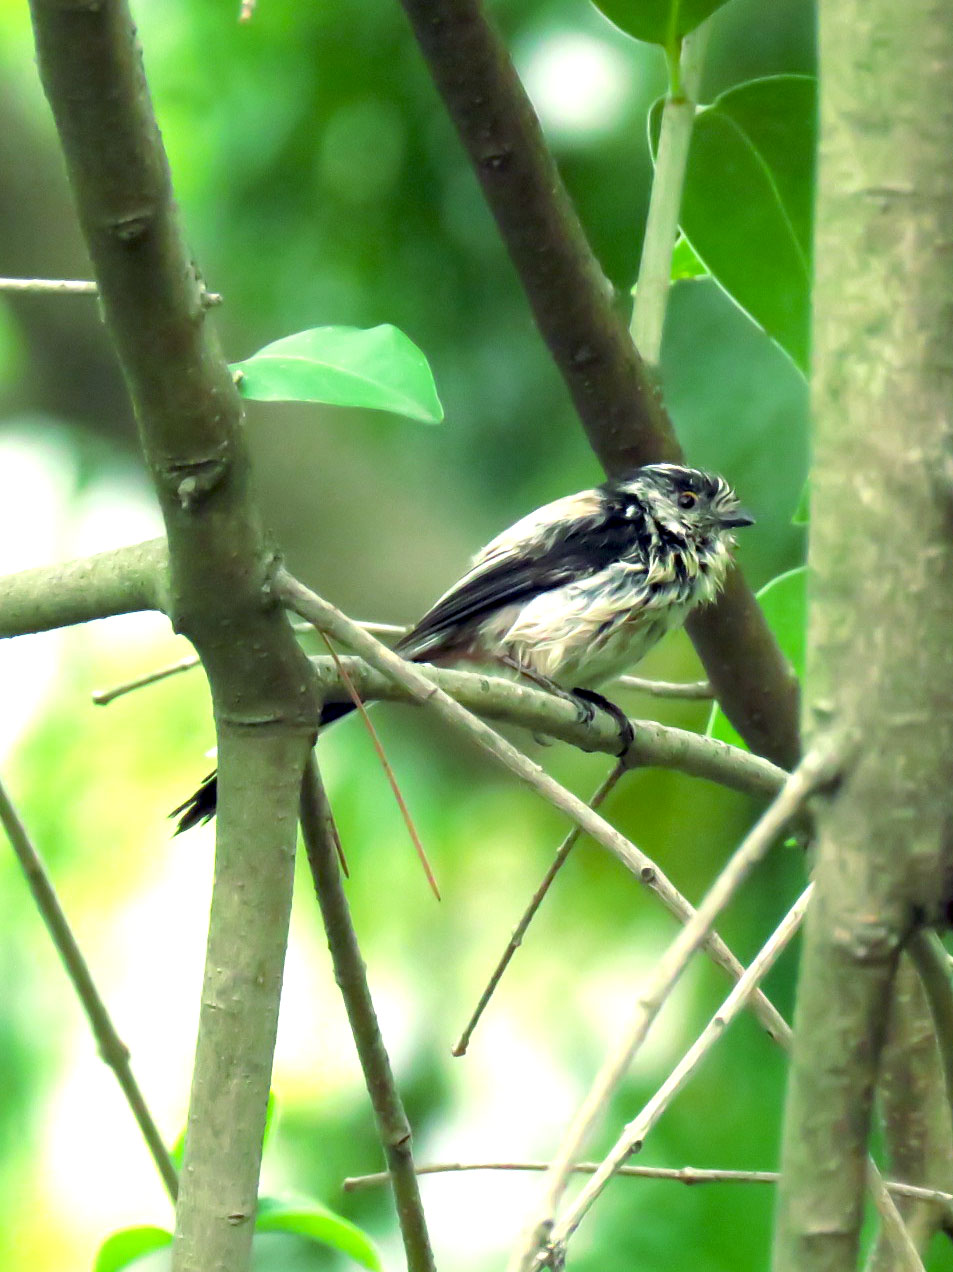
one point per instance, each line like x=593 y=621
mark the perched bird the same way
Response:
x=578 y=591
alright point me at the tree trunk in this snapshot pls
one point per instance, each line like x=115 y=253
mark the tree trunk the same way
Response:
x=880 y=665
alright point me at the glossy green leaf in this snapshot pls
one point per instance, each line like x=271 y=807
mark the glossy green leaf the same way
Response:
x=129 y=1244
x=378 y=367
x=685 y=262
x=316 y=1222
x=748 y=199
x=658 y=21
x=784 y=602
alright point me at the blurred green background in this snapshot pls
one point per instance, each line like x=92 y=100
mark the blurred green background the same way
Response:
x=320 y=182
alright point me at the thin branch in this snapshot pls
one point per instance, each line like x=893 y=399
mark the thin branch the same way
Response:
x=103 y=697
x=700 y=689
x=690 y=1175
x=330 y=619
x=516 y=939
x=915 y=1114
x=111 y=1047
x=73 y=287
x=393 y=1127
x=817 y=768
x=618 y=402
x=933 y=967
x=497 y=698
x=386 y=766
x=661 y=226
x=633 y=1135
x=122 y=581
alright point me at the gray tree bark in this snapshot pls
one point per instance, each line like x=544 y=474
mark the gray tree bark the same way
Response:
x=880 y=667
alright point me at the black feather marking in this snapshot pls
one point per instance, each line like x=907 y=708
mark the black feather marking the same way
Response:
x=568 y=554
x=199 y=807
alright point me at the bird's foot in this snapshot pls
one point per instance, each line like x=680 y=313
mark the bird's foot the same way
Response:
x=589 y=699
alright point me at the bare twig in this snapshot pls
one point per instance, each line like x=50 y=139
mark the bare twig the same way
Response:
x=103 y=697
x=111 y=1047
x=690 y=1175
x=516 y=939
x=330 y=619
x=392 y=1125
x=816 y=768
x=73 y=287
x=633 y=1135
x=386 y=766
x=667 y=688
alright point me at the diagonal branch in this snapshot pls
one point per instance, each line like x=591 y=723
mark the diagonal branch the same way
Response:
x=516 y=937
x=329 y=619
x=113 y=1050
x=817 y=768
x=572 y=302
x=633 y=1135
x=320 y=839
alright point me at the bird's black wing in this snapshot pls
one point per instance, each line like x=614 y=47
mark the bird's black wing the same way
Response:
x=514 y=568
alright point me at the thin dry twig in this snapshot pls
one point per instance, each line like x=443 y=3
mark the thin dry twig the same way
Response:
x=690 y=1175
x=633 y=1135
x=460 y=1046
x=816 y=768
x=328 y=618
x=386 y=766
x=695 y=689
x=113 y=1050
x=103 y=697
x=393 y=1127
x=73 y=287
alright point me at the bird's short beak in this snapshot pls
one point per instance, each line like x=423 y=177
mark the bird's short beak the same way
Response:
x=736 y=519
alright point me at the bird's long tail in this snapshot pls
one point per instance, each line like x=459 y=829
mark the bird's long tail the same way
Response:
x=201 y=804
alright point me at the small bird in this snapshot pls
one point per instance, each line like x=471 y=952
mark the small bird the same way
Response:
x=576 y=592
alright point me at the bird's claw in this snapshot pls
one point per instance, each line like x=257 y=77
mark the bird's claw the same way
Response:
x=589 y=699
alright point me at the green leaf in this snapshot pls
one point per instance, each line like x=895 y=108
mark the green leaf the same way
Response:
x=316 y=1222
x=129 y=1244
x=784 y=601
x=802 y=513
x=378 y=368
x=658 y=21
x=748 y=199
x=685 y=262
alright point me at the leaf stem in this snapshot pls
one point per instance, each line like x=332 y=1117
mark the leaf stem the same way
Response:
x=661 y=227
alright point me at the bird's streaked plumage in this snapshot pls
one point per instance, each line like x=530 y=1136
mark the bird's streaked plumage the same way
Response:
x=579 y=590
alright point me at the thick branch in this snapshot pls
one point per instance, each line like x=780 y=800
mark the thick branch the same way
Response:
x=881 y=558
x=189 y=418
x=393 y=1128
x=118 y=582
x=573 y=304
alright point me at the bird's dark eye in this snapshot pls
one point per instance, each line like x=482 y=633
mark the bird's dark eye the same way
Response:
x=687 y=499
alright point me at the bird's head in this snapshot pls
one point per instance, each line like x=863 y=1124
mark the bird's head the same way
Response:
x=685 y=501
